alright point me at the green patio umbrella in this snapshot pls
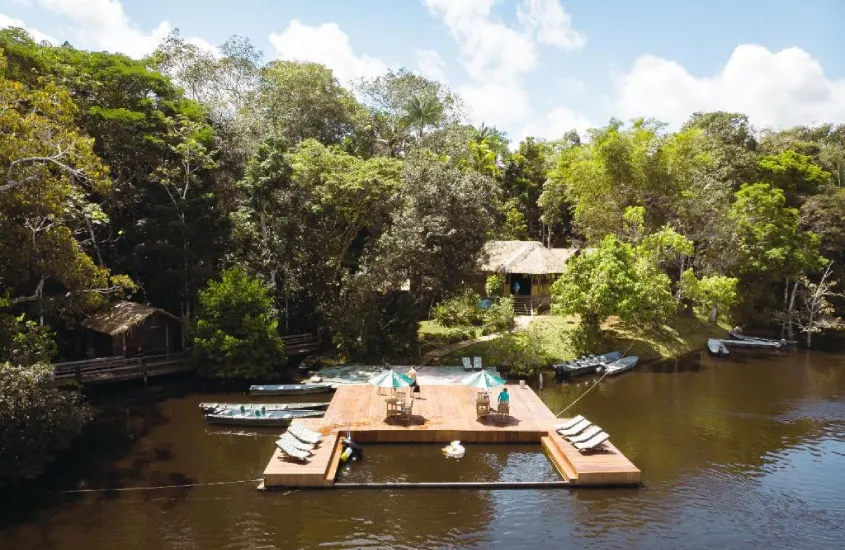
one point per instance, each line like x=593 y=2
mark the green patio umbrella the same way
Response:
x=482 y=380
x=391 y=379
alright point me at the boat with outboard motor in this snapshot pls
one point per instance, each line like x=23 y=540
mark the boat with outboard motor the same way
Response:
x=771 y=341
x=717 y=347
x=586 y=364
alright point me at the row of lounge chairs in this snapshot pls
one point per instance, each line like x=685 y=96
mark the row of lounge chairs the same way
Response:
x=472 y=364
x=298 y=443
x=583 y=434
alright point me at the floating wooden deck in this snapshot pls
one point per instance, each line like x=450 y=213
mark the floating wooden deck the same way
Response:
x=442 y=414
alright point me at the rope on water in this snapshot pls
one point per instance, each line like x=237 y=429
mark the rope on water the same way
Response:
x=591 y=387
x=209 y=484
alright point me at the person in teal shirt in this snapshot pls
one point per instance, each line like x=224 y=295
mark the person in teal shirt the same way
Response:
x=504 y=396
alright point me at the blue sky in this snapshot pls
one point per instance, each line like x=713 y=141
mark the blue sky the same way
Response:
x=531 y=67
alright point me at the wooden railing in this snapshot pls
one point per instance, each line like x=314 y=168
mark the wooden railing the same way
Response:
x=528 y=305
x=300 y=344
x=111 y=369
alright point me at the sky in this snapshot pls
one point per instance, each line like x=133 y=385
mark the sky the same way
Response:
x=528 y=67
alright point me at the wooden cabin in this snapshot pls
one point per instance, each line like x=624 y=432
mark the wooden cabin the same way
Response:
x=129 y=329
x=529 y=268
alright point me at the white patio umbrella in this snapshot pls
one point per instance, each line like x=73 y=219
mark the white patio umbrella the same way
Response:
x=391 y=379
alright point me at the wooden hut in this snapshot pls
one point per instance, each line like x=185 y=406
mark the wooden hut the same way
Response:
x=129 y=329
x=529 y=268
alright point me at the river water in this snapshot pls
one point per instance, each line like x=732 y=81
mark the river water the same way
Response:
x=747 y=452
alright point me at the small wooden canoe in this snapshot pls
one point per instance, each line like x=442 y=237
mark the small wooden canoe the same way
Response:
x=211 y=407
x=290 y=389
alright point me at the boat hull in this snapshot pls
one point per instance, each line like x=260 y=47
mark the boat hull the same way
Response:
x=232 y=417
x=210 y=407
x=290 y=389
x=585 y=365
x=717 y=348
x=622 y=365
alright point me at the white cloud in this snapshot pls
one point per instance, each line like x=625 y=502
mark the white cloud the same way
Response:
x=38 y=36
x=496 y=57
x=572 y=85
x=104 y=25
x=557 y=122
x=774 y=89
x=550 y=23
x=326 y=44
x=488 y=49
x=503 y=105
x=431 y=65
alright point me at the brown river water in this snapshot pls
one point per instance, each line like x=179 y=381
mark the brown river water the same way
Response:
x=745 y=452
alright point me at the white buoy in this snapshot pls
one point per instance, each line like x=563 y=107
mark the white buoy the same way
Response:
x=454 y=450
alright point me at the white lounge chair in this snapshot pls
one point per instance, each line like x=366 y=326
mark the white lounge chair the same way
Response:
x=570 y=423
x=593 y=444
x=304 y=434
x=289 y=451
x=294 y=442
x=576 y=429
x=467 y=363
x=586 y=435
x=476 y=363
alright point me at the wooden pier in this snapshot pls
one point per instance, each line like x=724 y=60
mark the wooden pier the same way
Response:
x=442 y=414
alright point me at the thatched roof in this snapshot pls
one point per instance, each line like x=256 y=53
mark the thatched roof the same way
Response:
x=529 y=257
x=120 y=317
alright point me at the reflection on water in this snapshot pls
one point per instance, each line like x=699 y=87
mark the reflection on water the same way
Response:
x=738 y=453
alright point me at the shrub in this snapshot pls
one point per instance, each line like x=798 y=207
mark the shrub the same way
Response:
x=461 y=311
x=494 y=285
x=500 y=316
x=235 y=334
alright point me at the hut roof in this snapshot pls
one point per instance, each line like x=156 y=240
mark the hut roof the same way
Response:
x=120 y=317
x=529 y=257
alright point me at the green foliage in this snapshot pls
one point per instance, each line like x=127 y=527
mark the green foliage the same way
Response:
x=770 y=241
x=714 y=294
x=519 y=354
x=794 y=173
x=499 y=316
x=37 y=420
x=616 y=279
x=461 y=311
x=235 y=334
x=495 y=284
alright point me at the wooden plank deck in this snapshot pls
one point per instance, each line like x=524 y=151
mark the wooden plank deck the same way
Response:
x=439 y=415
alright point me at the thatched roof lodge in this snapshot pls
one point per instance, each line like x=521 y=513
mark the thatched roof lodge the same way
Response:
x=529 y=269
x=129 y=328
x=526 y=257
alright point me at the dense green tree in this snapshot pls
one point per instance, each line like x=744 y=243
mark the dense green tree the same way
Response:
x=235 y=334
x=299 y=101
x=614 y=279
x=37 y=419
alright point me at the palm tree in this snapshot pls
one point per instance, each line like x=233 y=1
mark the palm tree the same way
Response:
x=422 y=111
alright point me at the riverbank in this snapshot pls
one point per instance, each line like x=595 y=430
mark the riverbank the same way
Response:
x=551 y=337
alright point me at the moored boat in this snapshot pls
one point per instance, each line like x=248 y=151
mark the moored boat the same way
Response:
x=752 y=343
x=211 y=407
x=621 y=365
x=737 y=336
x=586 y=364
x=289 y=389
x=717 y=347
x=234 y=417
